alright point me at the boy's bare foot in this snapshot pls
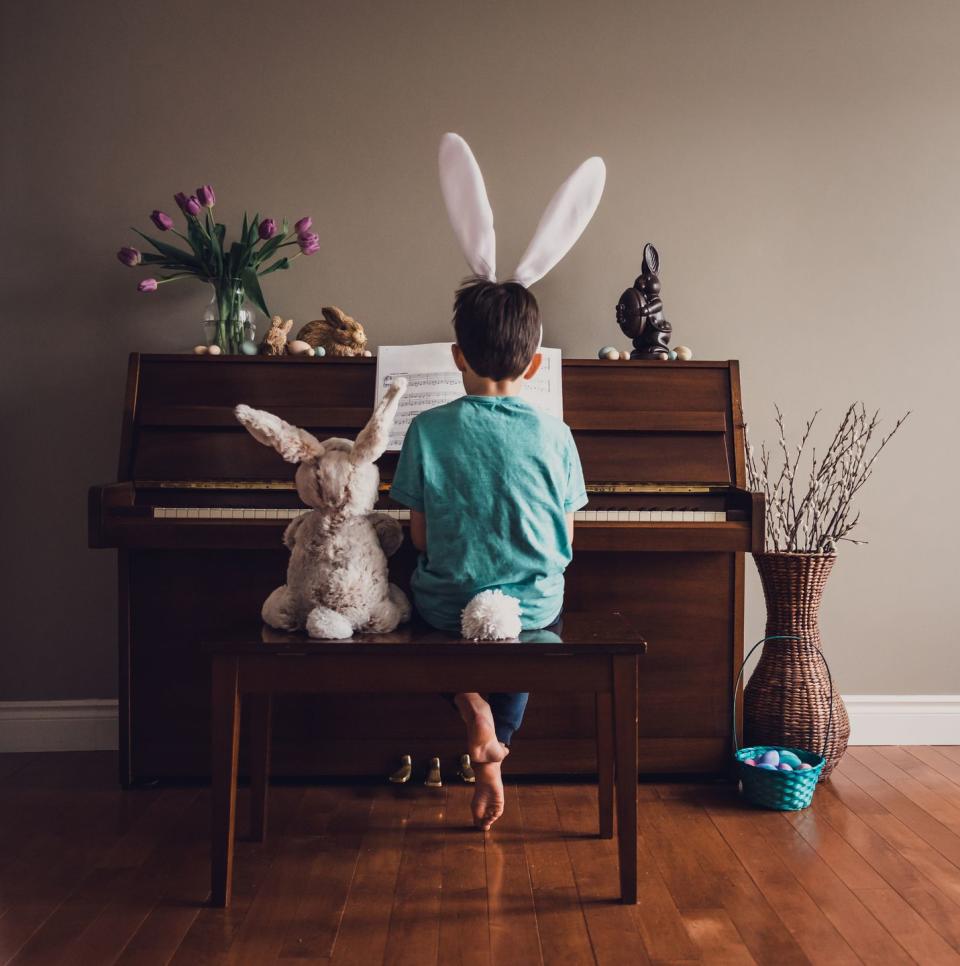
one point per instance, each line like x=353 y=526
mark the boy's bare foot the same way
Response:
x=487 y=804
x=483 y=746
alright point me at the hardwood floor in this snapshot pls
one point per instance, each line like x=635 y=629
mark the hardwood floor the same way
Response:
x=360 y=874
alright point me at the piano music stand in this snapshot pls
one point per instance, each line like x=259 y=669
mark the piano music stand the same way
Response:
x=596 y=652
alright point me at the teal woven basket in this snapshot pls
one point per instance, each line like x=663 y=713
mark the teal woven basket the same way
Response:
x=785 y=791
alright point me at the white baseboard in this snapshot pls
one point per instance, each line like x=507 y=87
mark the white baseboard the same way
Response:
x=904 y=719
x=875 y=719
x=58 y=725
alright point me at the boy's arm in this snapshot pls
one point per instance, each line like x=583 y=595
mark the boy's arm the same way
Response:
x=570 y=527
x=418 y=530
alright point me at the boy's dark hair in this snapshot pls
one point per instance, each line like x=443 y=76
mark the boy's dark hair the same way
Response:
x=497 y=326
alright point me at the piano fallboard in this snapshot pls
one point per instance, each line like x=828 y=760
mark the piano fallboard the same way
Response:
x=198 y=511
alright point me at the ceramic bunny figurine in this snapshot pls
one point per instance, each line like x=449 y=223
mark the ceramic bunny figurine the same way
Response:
x=337 y=575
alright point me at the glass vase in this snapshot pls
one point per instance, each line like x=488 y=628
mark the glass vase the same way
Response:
x=230 y=321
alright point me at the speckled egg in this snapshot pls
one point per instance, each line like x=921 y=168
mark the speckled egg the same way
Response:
x=214 y=350
x=319 y=351
x=368 y=354
x=671 y=355
x=683 y=353
x=771 y=757
x=200 y=350
x=248 y=348
x=297 y=347
x=609 y=352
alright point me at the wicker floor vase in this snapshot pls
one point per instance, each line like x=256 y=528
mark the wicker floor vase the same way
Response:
x=787 y=699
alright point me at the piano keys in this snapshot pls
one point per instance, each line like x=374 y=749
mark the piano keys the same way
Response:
x=198 y=511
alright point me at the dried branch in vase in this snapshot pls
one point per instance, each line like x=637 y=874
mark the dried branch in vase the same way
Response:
x=811 y=511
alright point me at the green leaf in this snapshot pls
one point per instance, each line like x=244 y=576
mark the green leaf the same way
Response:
x=280 y=264
x=173 y=253
x=269 y=247
x=252 y=285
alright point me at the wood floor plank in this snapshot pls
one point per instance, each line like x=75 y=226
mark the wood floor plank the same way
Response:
x=464 y=909
x=950 y=751
x=614 y=933
x=885 y=762
x=209 y=938
x=924 y=773
x=903 y=861
x=335 y=851
x=560 y=921
x=362 y=938
x=513 y=926
x=913 y=931
x=746 y=906
x=414 y=935
x=815 y=934
x=914 y=816
x=935 y=758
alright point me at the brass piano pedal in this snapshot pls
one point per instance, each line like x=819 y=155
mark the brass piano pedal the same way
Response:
x=433 y=779
x=403 y=774
x=466 y=770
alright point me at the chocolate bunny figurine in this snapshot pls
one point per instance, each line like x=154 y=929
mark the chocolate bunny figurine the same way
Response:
x=640 y=311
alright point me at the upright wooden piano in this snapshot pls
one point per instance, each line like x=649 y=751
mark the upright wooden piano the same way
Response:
x=199 y=508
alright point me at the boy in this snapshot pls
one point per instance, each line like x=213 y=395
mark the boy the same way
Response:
x=492 y=485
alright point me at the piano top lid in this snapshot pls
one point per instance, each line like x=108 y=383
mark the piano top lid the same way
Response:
x=635 y=422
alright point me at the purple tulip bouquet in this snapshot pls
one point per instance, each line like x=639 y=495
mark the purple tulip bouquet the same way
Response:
x=234 y=271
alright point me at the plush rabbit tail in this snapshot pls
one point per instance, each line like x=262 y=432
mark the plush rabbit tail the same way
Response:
x=471 y=216
x=491 y=616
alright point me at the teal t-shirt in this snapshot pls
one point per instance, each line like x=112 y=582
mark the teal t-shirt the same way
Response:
x=494 y=478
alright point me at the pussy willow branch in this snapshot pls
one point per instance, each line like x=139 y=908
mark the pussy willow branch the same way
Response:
x=811 y=511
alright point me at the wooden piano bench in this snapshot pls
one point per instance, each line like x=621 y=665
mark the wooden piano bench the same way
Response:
x=596 y=652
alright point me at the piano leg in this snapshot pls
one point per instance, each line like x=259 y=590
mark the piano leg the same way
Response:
x=625 y=752
x=260 y=706
x=604 y=732
x=225 y=745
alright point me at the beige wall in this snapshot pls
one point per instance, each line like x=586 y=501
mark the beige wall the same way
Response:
x=798 y=166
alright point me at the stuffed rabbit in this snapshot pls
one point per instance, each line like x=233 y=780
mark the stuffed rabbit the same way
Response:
x=337 y=575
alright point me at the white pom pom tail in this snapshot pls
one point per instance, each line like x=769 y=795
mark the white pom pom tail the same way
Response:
x=491 y=616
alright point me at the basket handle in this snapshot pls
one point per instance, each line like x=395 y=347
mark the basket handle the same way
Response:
x=743 y=665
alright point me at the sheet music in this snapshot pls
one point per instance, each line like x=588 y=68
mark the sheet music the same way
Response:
x=433 y=379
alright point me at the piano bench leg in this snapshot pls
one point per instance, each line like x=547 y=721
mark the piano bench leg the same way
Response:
x=604 y=733
x=260 y=717
x=225 y=745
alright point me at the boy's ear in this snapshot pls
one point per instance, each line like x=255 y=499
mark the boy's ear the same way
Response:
x=458 y=358
x=534 y=366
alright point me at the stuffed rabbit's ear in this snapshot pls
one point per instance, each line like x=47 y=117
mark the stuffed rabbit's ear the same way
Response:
x=563 y=221
x=467 y=204
x=373 y=438
x=293 y=444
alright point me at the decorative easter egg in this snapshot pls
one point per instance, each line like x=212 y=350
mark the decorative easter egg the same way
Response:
x=624 y=354
x=297 y=347
x=805 y=767
x=789 y=758
x=671 y=355
x=248 y=348
x=214 y=350
x=749 y=761
x=683 y=353
x=609 y=352
x=768 y=767
x=319 y=351
x=783 y=766
x=771 y=757
x=200 y=350
x=368 y=353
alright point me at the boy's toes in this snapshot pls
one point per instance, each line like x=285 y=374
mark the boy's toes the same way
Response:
x=488 y=799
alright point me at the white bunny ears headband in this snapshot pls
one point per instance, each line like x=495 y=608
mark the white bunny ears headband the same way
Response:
x=471 y=216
